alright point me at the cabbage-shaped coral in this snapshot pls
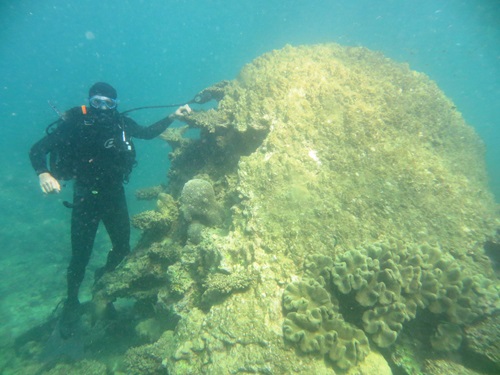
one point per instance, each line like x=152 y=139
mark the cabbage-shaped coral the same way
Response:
x=316 y=327
x=198 y=203
x=320 y=330
x=318 y=267
x=384 y=323
x=393 y=280
x=353 y=271
x=306 y=295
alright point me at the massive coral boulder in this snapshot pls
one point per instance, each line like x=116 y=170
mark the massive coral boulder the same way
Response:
x=343 y=178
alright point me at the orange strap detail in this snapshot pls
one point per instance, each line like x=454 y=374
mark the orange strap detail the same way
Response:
x=84 y=110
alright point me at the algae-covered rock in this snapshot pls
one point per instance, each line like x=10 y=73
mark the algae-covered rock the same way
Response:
x=448 y=337
x=84 y=367
x=157 y=223
x=441 y=366
x=218 y=286
x=482 y=339
x=374 y=363
x=150 y=359
x=354 y=194
x=149 y=193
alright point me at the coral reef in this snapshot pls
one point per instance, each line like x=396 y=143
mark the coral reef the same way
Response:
x=352 y=192
x=482 y=339
x=218 y=285
x=198 y=203
x=85 y=367
x=141 y=276
x=149 y=193
x=332 y=199
x=316 y=327
x=157 y=223
x=150 y=359
x=390 y=281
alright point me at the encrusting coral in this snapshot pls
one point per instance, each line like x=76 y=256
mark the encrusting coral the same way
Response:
x=160 y=220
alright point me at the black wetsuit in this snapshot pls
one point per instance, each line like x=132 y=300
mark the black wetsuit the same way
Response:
x=97 y=147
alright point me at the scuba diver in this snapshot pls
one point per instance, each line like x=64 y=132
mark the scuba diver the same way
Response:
x=92 y=145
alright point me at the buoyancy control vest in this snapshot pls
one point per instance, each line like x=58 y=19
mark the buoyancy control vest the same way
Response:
x=77 y=126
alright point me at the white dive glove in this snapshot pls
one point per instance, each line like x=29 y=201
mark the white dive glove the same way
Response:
x=48 y=183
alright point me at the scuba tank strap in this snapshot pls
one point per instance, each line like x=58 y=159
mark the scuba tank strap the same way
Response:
x=87 y=119
x=126 y=141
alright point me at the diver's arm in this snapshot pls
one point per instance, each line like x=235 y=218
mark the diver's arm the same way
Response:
x=38 y=157
x=38 y=154
x=152 y=131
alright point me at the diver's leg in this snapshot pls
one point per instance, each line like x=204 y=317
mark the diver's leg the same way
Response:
x=116 y=220
x=84 y=223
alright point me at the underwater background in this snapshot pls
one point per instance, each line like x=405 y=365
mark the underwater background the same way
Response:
x=162 y=52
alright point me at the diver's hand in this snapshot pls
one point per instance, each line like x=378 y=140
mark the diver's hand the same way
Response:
x=48 y=183
x=181 y=112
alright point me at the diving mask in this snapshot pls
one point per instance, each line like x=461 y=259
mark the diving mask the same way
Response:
x=103 y=102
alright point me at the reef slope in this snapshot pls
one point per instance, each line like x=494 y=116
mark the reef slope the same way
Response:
x=331 y=196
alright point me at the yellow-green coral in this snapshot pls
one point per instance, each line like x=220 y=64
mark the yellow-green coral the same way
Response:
x=148 y=220
x=149 y=193
x=390 y=281
x=198 y=203
x=382 y=142
x=314 y=325
x=353 y=273
x=217 y=286
x=384 y=323
x=344 y=154
x=158 y=220
x=179 y=281
x=150 y=359
x=306 y=295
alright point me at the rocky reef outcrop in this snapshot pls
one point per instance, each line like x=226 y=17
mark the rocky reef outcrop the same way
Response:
x=331 y=197
x=334 y=203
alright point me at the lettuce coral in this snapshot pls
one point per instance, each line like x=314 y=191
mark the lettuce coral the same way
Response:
x=390 y=281
x=314 y=325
